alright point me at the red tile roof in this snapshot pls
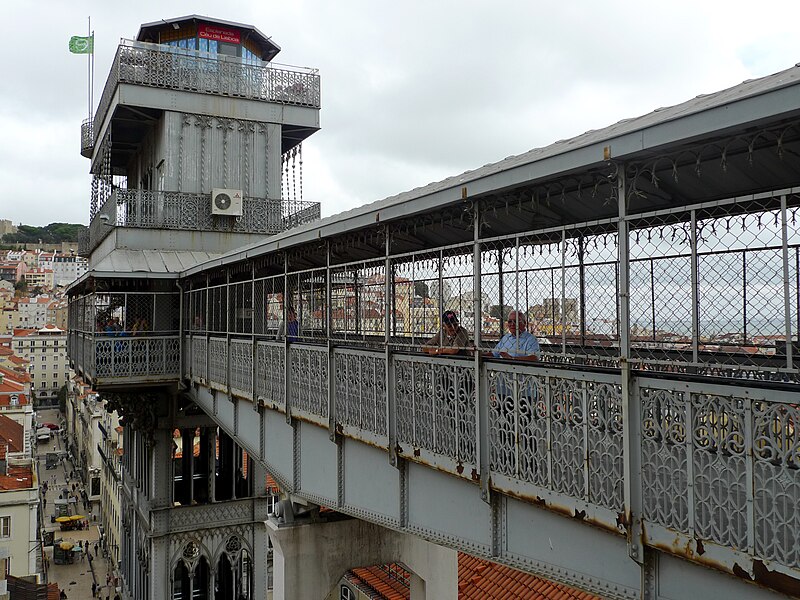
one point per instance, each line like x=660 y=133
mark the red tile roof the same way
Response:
x=477 y=579
x=18 y=478
x=376 y=582
x=17 y=376
x=13 y=433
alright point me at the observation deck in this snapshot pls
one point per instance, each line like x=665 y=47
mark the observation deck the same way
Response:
x=652 y=449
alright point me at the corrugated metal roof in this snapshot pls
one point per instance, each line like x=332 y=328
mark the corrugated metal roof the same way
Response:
x=628 y=136
x=151 y=261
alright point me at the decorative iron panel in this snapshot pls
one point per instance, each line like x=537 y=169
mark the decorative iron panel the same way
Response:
x=664 y=461
x=579 y=420
x=360 y=393
x=271 y=373
x=309 y=377
x=435 y=401
x=720 y=474
x=242 y=365
x=604 y=404
x=776 y=482
x=218 y=361
x=199 y=356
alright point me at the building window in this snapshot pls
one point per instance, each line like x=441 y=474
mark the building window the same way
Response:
x=345 y=593
x=5 y=527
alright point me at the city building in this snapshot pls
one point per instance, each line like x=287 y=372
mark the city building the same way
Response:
x=19 y=502
x=46 y=351
x=12 y=271
x=37 y=278
x=110 y=450
x=67 y=268
x=57 y=313
x=7 y=226
x=33 y=311
x=15 y=404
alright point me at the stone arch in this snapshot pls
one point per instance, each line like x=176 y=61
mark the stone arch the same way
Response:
x=233 y=569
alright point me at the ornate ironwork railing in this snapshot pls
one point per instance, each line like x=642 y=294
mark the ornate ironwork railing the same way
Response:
x=717 y=462
x=153 y=65
x=87 y=137
x=175 y=210
x=113 y=357
x=712 y=291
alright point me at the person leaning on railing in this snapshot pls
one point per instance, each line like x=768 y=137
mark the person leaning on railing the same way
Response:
x=518 y=343
x=451 y=339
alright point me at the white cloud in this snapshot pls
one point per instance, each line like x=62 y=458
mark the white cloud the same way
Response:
x=412 y=92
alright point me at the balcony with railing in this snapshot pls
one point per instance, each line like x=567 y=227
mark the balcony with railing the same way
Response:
x=167 y=67
x=149 y=209
x=125 y=338
x=87 y=138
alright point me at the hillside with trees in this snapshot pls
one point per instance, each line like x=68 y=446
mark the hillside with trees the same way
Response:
x=54 y=233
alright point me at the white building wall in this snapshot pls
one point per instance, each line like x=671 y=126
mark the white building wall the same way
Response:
x=47 y=354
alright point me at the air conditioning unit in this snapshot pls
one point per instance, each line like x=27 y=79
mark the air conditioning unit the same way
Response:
x=226 y=202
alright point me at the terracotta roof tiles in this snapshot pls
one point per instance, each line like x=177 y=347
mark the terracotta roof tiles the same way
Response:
x=18 y=478
x=13 y=433
x=477 y=579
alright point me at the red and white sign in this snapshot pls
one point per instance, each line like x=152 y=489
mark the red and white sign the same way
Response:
x=219 y=34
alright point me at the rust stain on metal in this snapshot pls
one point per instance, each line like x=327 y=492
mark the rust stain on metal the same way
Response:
x=475 y=475
x=775 y=580
x=700 y=548
x=459 y=468
x=416 y=452
x=684 y=550
x=580 y=514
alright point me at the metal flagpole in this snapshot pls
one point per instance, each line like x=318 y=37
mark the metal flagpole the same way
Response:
x=89 y=67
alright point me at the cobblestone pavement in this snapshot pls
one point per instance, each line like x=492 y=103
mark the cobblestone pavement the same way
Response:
x=75 y=579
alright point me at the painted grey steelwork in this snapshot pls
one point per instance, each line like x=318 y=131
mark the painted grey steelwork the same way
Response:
x=87 y=138
x=150 y=209
x=578 y=418
x=142 y=63
x=658 y=262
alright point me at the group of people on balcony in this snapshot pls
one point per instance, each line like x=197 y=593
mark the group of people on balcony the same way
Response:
x=518 y=343
x=113 y=327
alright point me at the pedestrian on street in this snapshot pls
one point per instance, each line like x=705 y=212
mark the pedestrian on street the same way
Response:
x=95 y=549
x=94 y=590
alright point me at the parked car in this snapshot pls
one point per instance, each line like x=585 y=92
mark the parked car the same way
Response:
x=51 y=426
x=43 y=434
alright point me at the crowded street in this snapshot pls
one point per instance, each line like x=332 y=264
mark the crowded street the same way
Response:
x=76 y=559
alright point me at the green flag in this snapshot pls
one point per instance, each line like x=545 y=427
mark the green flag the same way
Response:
x=81 y=45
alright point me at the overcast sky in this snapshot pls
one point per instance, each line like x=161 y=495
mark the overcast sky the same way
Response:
x=412 y=91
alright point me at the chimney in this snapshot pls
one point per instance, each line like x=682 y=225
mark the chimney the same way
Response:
x=3 y=459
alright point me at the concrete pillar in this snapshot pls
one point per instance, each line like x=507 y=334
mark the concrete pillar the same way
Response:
x=308 y=560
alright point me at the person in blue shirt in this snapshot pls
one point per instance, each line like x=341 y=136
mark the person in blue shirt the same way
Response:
x=518 y=343
x=291 y=327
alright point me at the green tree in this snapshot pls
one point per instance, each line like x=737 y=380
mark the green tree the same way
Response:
x=62 y=399
x=21 y=288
